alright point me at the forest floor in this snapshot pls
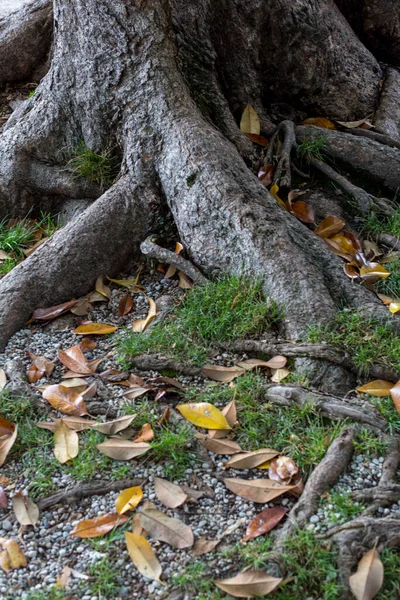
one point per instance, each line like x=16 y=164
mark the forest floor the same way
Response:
x=101 y=567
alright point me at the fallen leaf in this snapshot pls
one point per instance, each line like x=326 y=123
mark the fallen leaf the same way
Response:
x=258 y=139
x=249 y=584
x=378 y=388
x=102 y=289
x=266 y=174
x=250 y=123
x=168 y=493
x=394 y=307
x=90 y=528
x=28 y=251
x=351 y=270
x=165 y=417
x=166 y=529
x=184 y=281
x=320 y=122
x=222 y=374
x=146 y=434
x=140 y=325
x=3 y=498
x=136 y=391
x=12 y=556
x=87 y=345
x=203 y=414
x=279 y=375
x=46 y=314
x=74 y=360
x=128 y=499
x=26 y=511
x=303 y=211
x=131 y=284
x=82 y=307
x=257 y=490
x=120 y=449
x=66 y=400
x=274 y=193
x=113 y=427
x=42 y=363
x=95 y=329
x=64 y=578
x=230 y=413
x=143 y=557
x=75 y=423
x=375 y=272
x=352 y=124
x=3 y=379
x=395 y=395
x=330 y=226
x=283 y=469
x=170 y=381
x=125 y=305
x=276 y=362
x=4 y=255
x=250 y=460
x=366 y=582
x=264 y=522
x=66 y=443
x=6 y=441
x=219 y=446
x=204 y=546
x=34 y=374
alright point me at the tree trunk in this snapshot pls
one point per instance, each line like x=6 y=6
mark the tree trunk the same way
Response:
x=166 y=82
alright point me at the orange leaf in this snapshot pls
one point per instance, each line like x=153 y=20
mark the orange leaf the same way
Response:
x=66 y=400
x=95 y=329
x=264 y=522
x=46 y=314
x=146 y=434
x=90 y=528
x=257 y=139
x=303 y=211
x=320 y=122
x=125 y=305
x=330 y=226
x=74 y=360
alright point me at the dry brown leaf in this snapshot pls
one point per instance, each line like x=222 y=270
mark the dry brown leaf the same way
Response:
x=258 y=139
x=146 y=434
x=204 y=546
x=249 y=584
x=34 y=374
x=366 y=582
x=257 y=490
x=283 y=469
x=12 y=556
x=113 y=427
x=137 y=390
x=170 y=381
x=47 y=314
x=250 y=460
x=184 y=281
x=125 y=305
x=140 y=325
x=66 y=443
x=395 y=395
x=120 y=449
x=74 y=360
x=4 y=255
x=42 y=364
x=303 y=211
x=219 y=446
x=276 y=362
x=250 y=123
x=6 y=440
x=162 y=527
x=66 y=400
x=87 y=345
x=320 y=122
x=128 y=499
x=378 y=388
x=3 y=379
x=168 y=493
x=95 y=329
x=279 y=375
x=90 y=528
x=222 y=374
x=264 y=522
x=26 y=511
x=64 y=578
x=352 y=124
x=143 y=557
x=75 y=423
x=266 y=175
x=330 y=226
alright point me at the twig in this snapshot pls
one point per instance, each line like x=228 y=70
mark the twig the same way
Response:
x=149 y=248
x=94 y=488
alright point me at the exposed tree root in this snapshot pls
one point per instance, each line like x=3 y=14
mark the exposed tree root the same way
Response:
x=19 y=387
x=281 y=156
x=387 y=116
x=388 y=240
x=85 y=490
x=324 y=476
x=152 y=250
x=316 y=351
x=154 y=362
x=333 y=407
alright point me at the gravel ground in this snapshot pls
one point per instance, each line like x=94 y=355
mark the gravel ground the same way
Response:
x=50 y=547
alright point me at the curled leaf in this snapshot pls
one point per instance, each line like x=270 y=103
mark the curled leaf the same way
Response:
x=66 y=400
x=249 y=584
x=140 y=325
x=128 y=499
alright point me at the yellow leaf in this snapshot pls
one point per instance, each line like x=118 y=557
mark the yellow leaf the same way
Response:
x=12 y=556
x=131 y=284
x=95 y=329
x=140 y=325
x=375 y=272
x=102 y=289
x=378 y=388
x=203 y=414
x=320 y=122
x=394 y=307
x=128 y=499
x=143 y=557
x=250 y=123
x=66 y=443
x=274 y=192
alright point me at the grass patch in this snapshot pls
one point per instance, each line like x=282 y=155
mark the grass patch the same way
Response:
x=386 y=407
x=301 y=433
x=391 y=285
x=311 y=565
x=101 y=168
x=313 y=147
x=391 y=568
x=197 y=579
x=344 y=508
x=172 y=443
x=367 y=442
x=376 y=223
x=222 y=311
x=103 y=583
x=366 y=339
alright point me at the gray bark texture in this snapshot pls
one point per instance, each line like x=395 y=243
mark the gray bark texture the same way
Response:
x=165 y=83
